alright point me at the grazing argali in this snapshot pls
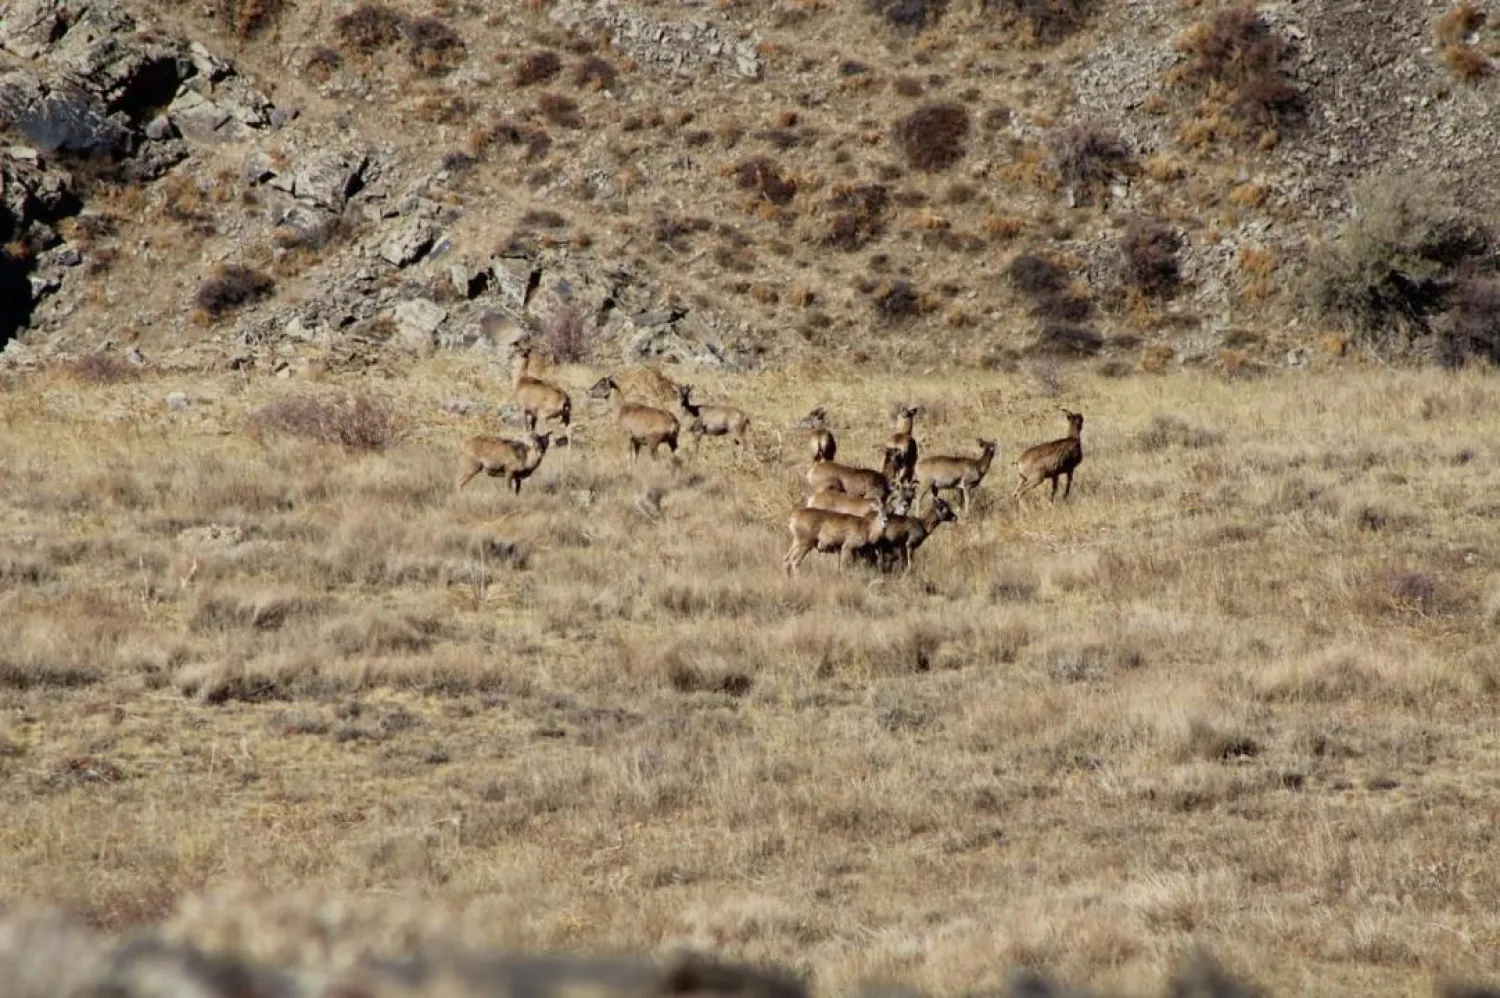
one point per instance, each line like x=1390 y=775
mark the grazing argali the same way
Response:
x=498 y=457
x=535 y=397
x=646 y=425
x=1053 y=459
x=711 y=420
x=820 y=440
x=904 y=534
x=822 y=530
x=962 y=473
x=904 y=442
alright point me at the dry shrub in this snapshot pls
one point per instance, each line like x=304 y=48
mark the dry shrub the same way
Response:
x=1237 y=52
x=908 y=15
x=762 y=175
x=102 y=368
x=1036 y=275
x=899 y=300
x=1086 y=157
x=321 y=233
x=1389 y=269
x=1049 y=21
x=1454 y=27
x=232 y=287
x=1167 y=431
x=247 y=18
x=1414 y=592
x=856 y=216
x=432 y=46
x=369 y=28
x=1150 y=249
x=361 y=422
x=1471 y=327
x=322 y=63
x=539 y=66
x=566 y=337
x=594 y=73
x=559 y=110
x=907 y=86
x=1065 y=339
x=1466 y=62
x=934 y=137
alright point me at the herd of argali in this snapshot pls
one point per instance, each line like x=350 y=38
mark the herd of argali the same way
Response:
x=857 y=512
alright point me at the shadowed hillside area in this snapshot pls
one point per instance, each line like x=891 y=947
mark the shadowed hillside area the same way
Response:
x=348 y=649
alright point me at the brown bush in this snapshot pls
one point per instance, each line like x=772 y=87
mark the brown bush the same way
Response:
x=246 y=18
x=561 y=111
x=1065 y=339
x=1236 y=49
x=363 y=422
x=594 y=73
x=1466 y=62
x=1036 y=275
x=934 y=137
x=322 y=63
x=232 y=287
x=539 y=66
x=369 y=28
x=1454 y=27
x=907 y=86
x=433 y=46
x=762 y=175
x=566 y=337
x=1050 y=21
x=908 y=15
x=899 y=300
x=1087 y=156
x=102 y=367
x=1472 y=325
x=856 y=216
x=1150 y=249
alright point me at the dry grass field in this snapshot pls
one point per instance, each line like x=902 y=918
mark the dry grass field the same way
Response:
x=1239 y=692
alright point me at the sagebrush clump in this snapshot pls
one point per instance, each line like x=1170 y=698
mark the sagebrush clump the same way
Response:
x=1048 y=21
x=934 y=137
x=232 y=287
x=1150 y=249
x=369 y=28
x=1086 y=157
x=360 y=422
x=1389 y=269
x=1237 y=58
x=908 y=15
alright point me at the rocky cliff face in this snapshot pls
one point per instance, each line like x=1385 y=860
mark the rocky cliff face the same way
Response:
x=700 y=184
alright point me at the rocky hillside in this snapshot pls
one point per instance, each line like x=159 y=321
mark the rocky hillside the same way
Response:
x=277 y=185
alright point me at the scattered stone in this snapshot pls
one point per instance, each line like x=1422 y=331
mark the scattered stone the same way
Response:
x=178 y=401
x=408 y=242
x=417 y=321
x=328 y=177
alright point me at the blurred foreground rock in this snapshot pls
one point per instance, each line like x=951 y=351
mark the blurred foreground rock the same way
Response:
x=300 y=950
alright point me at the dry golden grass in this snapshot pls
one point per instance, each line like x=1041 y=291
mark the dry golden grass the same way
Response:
x=1239 y=692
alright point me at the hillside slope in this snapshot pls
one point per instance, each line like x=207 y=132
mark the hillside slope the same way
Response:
x=724 y=183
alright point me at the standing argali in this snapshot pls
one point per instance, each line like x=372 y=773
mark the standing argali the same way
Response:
x=498 y=457
x=711 y=420
x=962 y=473
x=1053 y=459
x=904 y=534
x=904 y=443
x=822 y=530
x=820 y=440
x=537 y=398
x=646 y=425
